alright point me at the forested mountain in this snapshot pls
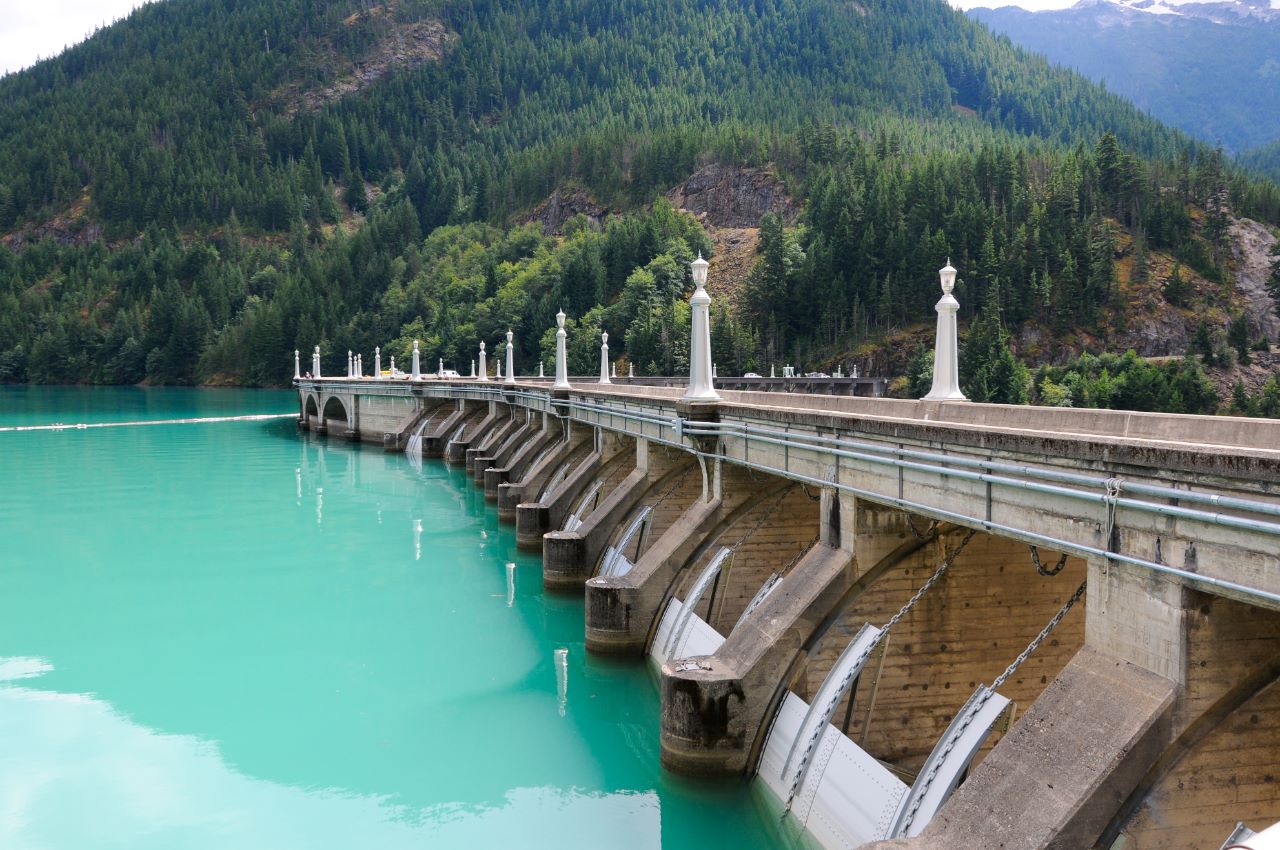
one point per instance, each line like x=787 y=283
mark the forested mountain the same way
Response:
x=1264 y=160
x=1210 y=68
x=205 y=186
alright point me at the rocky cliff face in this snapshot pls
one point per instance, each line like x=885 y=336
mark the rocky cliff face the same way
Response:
x=562 y=205
x=733 y=196
x=1252 y=250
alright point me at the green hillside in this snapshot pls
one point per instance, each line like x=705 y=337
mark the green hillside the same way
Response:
x=1264 y=160
x=203 y=187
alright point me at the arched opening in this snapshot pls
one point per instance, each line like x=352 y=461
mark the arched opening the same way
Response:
x=311 y=411
x=335 y=412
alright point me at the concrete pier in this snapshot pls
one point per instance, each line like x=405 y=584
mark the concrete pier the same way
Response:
x=569 y=557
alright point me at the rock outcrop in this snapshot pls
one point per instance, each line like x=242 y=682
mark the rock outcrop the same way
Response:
x=733 y=196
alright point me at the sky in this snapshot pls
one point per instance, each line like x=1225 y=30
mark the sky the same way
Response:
x=38 y=29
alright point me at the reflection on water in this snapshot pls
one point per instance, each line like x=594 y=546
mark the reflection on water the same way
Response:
x=144 y=789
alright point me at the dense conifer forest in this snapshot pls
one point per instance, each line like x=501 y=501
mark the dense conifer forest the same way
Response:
x=200 y=189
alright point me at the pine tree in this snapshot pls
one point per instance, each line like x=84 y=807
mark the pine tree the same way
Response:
x=1238 y=338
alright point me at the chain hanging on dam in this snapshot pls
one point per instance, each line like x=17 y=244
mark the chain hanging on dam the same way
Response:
x=976 y=703
x=829 y=709
x=1048 y=572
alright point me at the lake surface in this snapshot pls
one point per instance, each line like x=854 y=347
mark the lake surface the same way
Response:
x=229 y=635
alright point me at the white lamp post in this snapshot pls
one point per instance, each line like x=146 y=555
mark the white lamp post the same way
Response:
x=297 y=365
x=473 y=367
x=417 y=369
x=700 y=385
x=440 y=368
x=540 y=375
x=351 y=364
x=484 y=368
x=946 y=351
x=393 y=365
x=604 y=359
x=377 y=362
x=562 y=358
x=511 y=358
x=315 y=362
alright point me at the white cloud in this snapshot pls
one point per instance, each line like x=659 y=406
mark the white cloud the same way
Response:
x=31 y=31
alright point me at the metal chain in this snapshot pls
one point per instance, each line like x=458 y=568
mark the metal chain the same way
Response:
x=1049 y=572
x=1039 y=639
x=965 y=723
x=933 y=579
x=763 y=517
x=976 y=707
x=847 y=680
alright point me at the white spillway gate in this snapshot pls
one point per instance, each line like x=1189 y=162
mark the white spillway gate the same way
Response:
x=557 y=478
x=586 y=505
x=681 y=632
x=457 y=434
x=414 y=447
x=840 y=793
x=615 y=561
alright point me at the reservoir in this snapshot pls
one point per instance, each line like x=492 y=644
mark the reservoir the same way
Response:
x=227 y=634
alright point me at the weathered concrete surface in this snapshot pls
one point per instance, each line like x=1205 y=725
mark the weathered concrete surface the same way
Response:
x=435 y=439
x=516 y=459
x=1058 y=775
x=965 y=630
x=713 y=713
x=455 y=451
x=483 y=445
x=499 y=445
x=394 y=441
x=535 y=478
x=534 y=519
x=1222 y=764
x=622 y=610
x=570 y=557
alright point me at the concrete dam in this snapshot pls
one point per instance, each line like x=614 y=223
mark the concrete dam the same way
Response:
x=918 y=624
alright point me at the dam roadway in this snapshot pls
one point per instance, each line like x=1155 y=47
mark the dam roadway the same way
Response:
x=743 y=543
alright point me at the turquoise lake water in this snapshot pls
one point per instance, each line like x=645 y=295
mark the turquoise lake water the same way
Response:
x=230 y=635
